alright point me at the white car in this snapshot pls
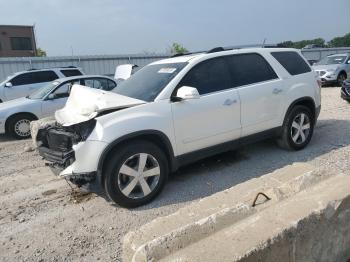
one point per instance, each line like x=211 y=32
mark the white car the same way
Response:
x=24 y=83
x=176 y=111
x=16 y=115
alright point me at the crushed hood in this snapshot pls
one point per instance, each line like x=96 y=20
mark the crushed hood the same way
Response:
x=85 y=103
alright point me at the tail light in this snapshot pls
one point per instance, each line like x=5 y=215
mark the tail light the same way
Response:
x=319 y=82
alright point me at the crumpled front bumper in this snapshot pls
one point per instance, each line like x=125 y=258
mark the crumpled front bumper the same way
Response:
x=74 y=161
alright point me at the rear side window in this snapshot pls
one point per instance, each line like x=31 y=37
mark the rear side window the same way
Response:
x=34 y=78
x=208 y=76
x=45 y=76
x=249 y=69
x=71 y=72
x=292 y=62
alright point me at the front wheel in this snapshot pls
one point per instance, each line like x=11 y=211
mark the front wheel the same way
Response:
x=341 y=78
x=19 y=126
x=297 y=129
x=136 y=174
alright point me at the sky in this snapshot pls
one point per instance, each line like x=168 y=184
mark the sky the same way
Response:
x=97 y=27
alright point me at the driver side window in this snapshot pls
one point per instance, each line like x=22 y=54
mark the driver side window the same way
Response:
x=208 y=76
x=64 y=90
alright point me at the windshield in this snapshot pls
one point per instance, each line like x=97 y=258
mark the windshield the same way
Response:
x=332 y=60
x=45 y=90
x=147 y=83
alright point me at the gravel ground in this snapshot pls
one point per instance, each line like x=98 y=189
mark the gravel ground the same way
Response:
x=43 y=219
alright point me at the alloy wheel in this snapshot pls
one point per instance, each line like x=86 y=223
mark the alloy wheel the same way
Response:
x=138 y=176
x=300 y=129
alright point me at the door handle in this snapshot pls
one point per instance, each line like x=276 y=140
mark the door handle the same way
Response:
x=277 y=91
x=229 y=102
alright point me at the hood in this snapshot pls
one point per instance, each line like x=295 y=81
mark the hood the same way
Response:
x=86 y=103
x=325 y=67
x=17 y=103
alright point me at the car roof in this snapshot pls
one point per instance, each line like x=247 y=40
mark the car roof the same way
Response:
x=195 y=56
x=47 y=69
x=64 y=79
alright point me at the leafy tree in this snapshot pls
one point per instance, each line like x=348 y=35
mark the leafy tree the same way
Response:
x=40 y=52
x=342 y=41
x=177 y=48
x=300 y=44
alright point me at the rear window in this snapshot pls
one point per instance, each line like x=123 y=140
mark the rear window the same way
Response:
x=292 y=62
x=71 y=72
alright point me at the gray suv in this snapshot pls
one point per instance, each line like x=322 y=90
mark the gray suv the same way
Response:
x=333 y=68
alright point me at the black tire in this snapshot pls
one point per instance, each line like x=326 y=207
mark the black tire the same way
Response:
x=341 y=78
x=14 y=121
x=286 y=140
x=113 y=178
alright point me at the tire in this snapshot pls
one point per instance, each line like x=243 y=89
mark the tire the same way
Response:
x=19 y=126
x=292 y=138
x=125 y=185
x=341 y=78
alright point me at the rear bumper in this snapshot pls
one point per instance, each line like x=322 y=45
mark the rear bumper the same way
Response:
x=318 y=111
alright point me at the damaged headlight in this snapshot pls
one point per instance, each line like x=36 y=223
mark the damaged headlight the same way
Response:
x=84 y=129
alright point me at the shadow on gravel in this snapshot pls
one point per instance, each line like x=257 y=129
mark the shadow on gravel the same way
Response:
x=223 y=171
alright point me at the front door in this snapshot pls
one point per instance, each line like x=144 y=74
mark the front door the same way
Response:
x=212 y=119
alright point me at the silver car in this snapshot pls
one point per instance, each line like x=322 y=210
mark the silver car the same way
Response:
x=16 y=115
x=333 y=68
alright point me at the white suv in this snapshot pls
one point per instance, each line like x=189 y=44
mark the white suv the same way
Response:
x=176 y=111
x=24 y=83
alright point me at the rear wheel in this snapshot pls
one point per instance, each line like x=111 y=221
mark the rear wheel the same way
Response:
x=19 y=126
x=341 y=78
x=135 y=174
x=297 y=129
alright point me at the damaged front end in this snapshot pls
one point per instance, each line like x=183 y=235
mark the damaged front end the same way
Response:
x=55 y=144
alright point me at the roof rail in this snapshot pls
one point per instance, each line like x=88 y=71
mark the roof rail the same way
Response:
x=32 y=69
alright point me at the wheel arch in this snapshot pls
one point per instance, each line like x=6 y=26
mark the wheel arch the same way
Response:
x=154 y=136
x=17 y=114
x=303 y=101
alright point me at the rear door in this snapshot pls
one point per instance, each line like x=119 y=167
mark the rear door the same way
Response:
x=212 y=119
x=26 y=83
x=260 y=90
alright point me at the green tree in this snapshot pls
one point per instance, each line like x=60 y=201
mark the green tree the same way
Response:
x=342 y=41
x=300 y=44
x=177 y=48
x=40 y=52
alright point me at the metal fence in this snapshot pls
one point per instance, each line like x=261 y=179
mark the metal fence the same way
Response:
x=318 y=53
x=101 y=65
x=106 y=65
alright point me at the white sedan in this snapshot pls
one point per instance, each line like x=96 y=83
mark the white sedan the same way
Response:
x=16 y=115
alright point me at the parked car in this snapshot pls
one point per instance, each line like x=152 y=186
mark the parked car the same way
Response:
x=179 y=110
x=333 y=68
x=345 y=90
x=16 y=115
x=24 y=83
x=312 y=46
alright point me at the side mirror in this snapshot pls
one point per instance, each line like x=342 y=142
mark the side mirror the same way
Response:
x=187 y=92
x=51 y=97
x=8 y=84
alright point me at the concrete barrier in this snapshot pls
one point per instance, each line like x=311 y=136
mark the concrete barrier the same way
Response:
x=226 y=227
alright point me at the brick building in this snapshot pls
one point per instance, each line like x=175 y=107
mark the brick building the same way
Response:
x=17 y=41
